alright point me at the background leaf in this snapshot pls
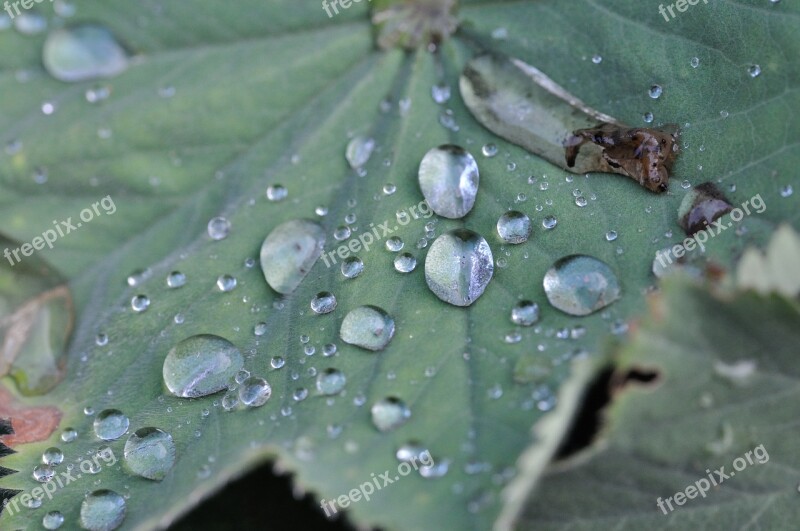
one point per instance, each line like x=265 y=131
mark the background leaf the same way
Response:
x=271 y=93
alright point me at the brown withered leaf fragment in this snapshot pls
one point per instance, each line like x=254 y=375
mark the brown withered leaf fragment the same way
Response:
x=644 y=155
x=29 y=424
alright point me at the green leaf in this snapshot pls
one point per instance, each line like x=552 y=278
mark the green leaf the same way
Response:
x=726 y=374
x=271 y=93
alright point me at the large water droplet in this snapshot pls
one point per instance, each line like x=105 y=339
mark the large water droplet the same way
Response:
x=111 y=424
x=102 y=510
x=405 y=263
x=580 y=285
x=289 y=252
x=389 y=413
x=459 y=266
x=514 y=227
x=255 y=392
x=219 y=228
x=150 y=453
x=448 y=177
x=201 y=365
x=331 y=381
x=83 y=53
x=367 y=327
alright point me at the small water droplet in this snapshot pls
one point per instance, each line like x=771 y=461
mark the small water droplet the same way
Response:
x=389 y=413
x=352 y=267
x=276 y=192
x=359 y=150
x=150 y=453
x=440 y=93
x=226 y=283
x=695 y=62
x=449 y=178
x=655 y=91
x=514 y=227
x=323 y=302
x=218 y=228
x=331 y=381
x=611 y=235
x=368 y=327
x=525 y=313
x=176 y=279
x=405 y=263
x=201 y=365
x=43 y=473
x=489 y=150
x=754 y=70
x=254 y=392
x=111 y=424
x=140 y=303
x=597 y=59
x=549 y=222
x=648 y=117
x=53 y=456
x=53 y=520
x=580 y=285
x=786 y=190
x=69 y=435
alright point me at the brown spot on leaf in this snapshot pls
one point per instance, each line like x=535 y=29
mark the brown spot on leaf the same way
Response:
x=644 y=155
x=30 y=424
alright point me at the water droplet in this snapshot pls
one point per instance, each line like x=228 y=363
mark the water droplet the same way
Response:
x=459 y=266
x=359 y=150
x=648 y=117
x=226 y=283
x=754 y=70
x=102 y=510
x=440 y=93
x=300 y=394
x=323 y=302
x=448 y=178
x=53 y=456
x=525 y=313
x=352 y=267
x=580 y=285
x=255 y=392
x=331 y=382
x=97 y=93
x=329 y=349
x=394 y=244
x=82 y=53
x=695 y=62
x=549 y=222
x=514 y=227
x=389 y=413
x=101 y=340
x=786 y=190
x=289 y=252
x=277 y=362
x=201 y=365
x=410 y=452
x=30 y=23
x=611 y=235
x=436 y=470
x=276 y=192
x=176 y=279
x=111 y=424
x=53 y=520
x=581 y=201
x=342 y=233
x=405 y=263
x=597 y=59
x=389 y=189
x=656 y=91
x=150 y=453
x=218 y=228
x=43 y=473
x=140 y=303
x=69 y=435
x=368 y=327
